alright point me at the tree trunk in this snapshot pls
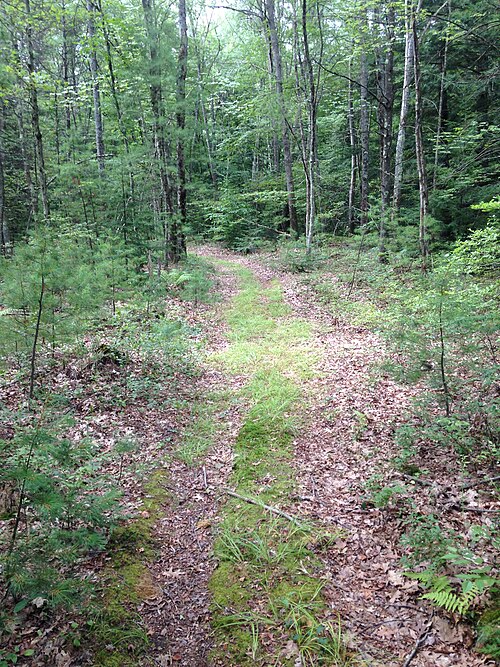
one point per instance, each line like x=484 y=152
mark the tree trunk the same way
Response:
x=287 y=151
x=419 y=149
x=179 y=243
x=364 y=133
x=96 y=94
x=351 y=215
x=206 y=134
x=65 y=69
x=405 y=106
x=385 y=117
x=30 y=185
x=35 y=115
x=116 y=101
x=158 y=121
x=312 y=104
x=441 y=106
x=5 y=246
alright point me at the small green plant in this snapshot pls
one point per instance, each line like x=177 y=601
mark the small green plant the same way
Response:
x=12 y=657
x=315 y=639
x=380 y=494
x=454 y=596
x=64 y=507
x=360 y=426
x=424 y=540
x=405 y=438
x=453 y=576
x=488 y=630
x=192 y=280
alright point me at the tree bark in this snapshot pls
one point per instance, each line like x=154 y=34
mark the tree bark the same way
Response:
x=179 y=243
x=420 y=154
x=312 y=105
x=167 y=207
x=287 y=151
x=364 y=133
x=65 y=68
x=5 y=246
x=441 y=105
x=385 y=117
x=405 y=107
x=30 y=185
x=116 y=101
x=35 y=115
x=96 y=94
x=351 y=215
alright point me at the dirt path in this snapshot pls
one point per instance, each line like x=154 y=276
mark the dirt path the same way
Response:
x=345 y=439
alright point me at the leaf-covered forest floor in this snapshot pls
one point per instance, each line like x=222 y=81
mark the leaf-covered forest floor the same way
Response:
x=346 y=416
x=288 y=407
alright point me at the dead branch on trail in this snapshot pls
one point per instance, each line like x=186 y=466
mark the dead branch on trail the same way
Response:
x=420 y=641
x=269 y=508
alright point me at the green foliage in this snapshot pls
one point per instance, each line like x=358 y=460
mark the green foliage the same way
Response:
x=453 y=575
x=479 y=254
x=63 y=508
x=425 y=540
x=442 y=327
x=292 y=257
x=442 y=593
x=488 y=640
x=231 y=220
x=191 y=280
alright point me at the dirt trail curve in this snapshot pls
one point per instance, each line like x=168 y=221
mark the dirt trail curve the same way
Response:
x=347 y=435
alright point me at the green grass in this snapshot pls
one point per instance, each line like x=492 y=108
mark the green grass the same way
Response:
x=261 y=581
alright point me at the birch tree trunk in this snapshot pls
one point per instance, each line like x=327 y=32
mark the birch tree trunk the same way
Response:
x=405 y=107
x=96 y=94
x=287 y=151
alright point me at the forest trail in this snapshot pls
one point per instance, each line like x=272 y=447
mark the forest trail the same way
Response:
x=294 y=417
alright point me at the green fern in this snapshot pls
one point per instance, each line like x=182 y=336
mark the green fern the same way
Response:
x=456 y=603
x=442 y=594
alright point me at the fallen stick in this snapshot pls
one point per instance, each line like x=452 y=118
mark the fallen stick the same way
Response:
x=269 y=508
x=421 y=639
x=478 y=482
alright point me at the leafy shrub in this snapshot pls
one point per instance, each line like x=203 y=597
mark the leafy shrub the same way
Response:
x=479 y=254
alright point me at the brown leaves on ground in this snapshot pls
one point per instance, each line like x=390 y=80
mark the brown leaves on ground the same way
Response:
x=346 y=438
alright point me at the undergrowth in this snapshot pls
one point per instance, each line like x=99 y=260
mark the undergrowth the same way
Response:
x=440 y=330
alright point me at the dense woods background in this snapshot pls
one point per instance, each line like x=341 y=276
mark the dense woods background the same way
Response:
x=354 y=144
x=304 y=118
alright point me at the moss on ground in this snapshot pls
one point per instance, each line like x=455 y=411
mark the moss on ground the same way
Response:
x=488 y=630
x=116 y=631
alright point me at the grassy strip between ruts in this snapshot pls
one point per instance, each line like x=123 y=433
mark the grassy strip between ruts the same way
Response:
x=266 y=590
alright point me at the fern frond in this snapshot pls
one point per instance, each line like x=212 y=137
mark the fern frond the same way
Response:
x=445 y=597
